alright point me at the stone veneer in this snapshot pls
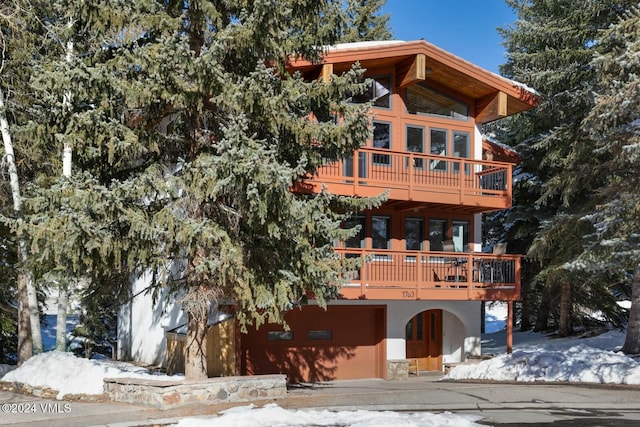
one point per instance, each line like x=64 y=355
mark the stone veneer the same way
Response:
x=171 y=394
x=398 y=369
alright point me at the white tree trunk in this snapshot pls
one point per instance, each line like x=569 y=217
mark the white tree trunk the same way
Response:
x=61 y=323
x=63 y=291
x=9 y=158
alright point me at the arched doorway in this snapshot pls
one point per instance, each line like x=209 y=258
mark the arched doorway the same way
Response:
x=423 y=334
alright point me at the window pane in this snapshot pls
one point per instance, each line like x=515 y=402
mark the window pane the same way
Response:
x=438 y=146
x=381 y=139
x=437 y=233
x=415 y=143
x=320 y=335
x=461 y=149
x=460 y=231
x=356 y=241
x=280 y=336
x=461 y=144
x=414 y=230
x=424 y=100
x=379 y=92
x=347 y=165
x=380 y=232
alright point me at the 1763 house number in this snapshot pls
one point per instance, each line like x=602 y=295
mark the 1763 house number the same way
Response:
x=408 y=294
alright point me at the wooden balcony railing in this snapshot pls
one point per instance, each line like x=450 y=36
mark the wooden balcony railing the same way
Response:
x=419 y=177
x=415 y=275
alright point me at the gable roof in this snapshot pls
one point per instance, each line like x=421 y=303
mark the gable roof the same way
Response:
x=494 y=96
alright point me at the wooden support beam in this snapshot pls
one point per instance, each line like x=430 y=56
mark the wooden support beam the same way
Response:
x=492 y=107
x=327 y=71
x=412 y=70
x=509 y=327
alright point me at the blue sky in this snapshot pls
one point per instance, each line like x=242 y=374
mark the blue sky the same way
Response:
x=466 y=28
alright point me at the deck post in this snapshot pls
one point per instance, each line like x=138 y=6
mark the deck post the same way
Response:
x=509 y=327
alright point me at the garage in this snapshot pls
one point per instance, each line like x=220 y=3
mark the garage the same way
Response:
x=343 y=342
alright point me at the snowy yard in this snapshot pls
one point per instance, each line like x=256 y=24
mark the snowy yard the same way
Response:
x=536 y=357
x=273 y=415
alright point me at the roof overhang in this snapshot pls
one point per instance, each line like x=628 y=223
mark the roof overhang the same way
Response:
x=494 y=96
x=500 y=152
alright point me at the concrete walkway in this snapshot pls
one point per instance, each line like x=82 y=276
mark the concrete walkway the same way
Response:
x=498 y=403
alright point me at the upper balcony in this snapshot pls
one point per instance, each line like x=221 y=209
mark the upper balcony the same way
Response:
x=420 y=275
x=470 y=186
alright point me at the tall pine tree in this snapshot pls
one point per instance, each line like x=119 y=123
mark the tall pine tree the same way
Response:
x=550 y=48
x=614 y=127
x=365 y=23
x=20 y=31
x=188 y=135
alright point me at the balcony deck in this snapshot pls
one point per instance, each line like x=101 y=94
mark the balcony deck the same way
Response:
x=417 y=275
x=471 y=185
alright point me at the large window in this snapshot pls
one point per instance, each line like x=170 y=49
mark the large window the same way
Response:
x=357 y=241
x=415 y=143
x=438 y=145
x=460 y=236
x=381 y=139
x=381 y=232
x=348 y=165
x=421 y=99
x=378 y=92
x=461 y=148
x=413 y=233
x=437 y=234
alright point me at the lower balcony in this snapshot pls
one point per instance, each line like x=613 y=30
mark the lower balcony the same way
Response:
x=416 y=275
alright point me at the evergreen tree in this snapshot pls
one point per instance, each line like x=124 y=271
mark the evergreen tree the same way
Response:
x=19 y=31
x=550 y=48
x=188 y=135
x=614 y=128
x=365 y=23
x=8 y=299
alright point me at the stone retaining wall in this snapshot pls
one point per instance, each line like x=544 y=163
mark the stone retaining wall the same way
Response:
x=398 y=369
x=171 y=394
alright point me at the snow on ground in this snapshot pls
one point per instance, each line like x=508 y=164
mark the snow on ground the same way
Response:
x=273 y=415
x=540 y=357
x=494 y=316
x=69 y=374
x=566 y=360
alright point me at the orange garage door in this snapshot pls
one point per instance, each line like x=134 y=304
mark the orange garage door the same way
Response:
x=344 y=342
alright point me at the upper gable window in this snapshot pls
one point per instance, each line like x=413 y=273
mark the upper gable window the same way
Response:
x=421 y=99
x=378 y=92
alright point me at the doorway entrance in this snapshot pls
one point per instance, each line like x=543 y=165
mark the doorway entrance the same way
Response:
x=424 y=340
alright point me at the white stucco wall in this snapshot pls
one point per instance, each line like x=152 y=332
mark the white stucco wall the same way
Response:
x=142 y=326
x=460 y=327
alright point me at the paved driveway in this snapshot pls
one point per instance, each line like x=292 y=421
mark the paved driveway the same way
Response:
x=499 y=404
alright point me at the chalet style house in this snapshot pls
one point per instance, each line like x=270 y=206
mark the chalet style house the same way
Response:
x=416 y=302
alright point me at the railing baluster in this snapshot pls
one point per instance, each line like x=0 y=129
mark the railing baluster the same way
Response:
x=411 y=271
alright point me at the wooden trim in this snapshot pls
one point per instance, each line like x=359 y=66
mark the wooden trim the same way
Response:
x=411 y=71
x=491 y=108
x=325 y=74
